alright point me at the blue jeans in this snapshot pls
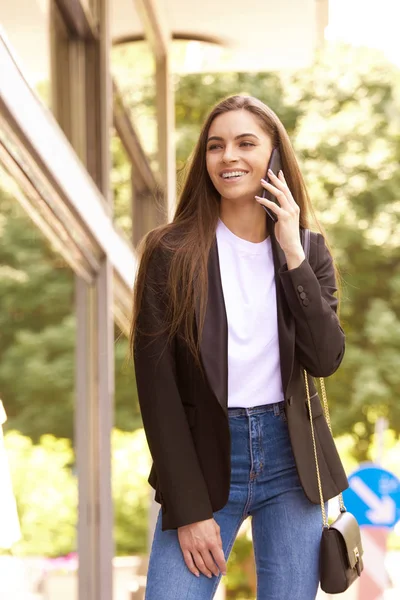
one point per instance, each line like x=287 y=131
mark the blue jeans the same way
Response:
x=286 y=527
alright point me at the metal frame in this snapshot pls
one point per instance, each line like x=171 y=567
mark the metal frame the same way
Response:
x=79 y=19
x=86 y=120
x=39 y=150
x=147 y=197
x=70 y=209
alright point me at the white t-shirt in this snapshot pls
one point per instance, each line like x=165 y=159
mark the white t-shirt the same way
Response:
x=248 y=283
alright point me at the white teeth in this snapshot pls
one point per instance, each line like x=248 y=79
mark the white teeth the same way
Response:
x=233 y=174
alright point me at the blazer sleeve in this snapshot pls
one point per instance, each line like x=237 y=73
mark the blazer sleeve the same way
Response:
x=310 y=292
x=183 y=491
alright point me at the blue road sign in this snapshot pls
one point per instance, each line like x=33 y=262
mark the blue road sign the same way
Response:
x=373 y=496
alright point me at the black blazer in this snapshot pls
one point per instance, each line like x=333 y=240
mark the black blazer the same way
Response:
x=184 y=407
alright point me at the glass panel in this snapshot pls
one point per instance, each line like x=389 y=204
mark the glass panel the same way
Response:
x=45 y=206
x=132 y=66
x=37 y=358
x=121 y=181
x=27 y=26
x=133 y=69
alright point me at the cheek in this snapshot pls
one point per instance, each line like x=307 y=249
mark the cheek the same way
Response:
x=210 y=169
x=261 y=168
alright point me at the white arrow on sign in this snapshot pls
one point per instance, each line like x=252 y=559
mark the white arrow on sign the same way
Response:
x=382 y=510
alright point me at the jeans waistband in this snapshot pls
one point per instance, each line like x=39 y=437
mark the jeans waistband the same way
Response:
x=275 y=407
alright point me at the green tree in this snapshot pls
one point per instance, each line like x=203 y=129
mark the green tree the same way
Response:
x=349 y=142
x=37 y=328
x=46 y=492
x=38 y=332
x=131 y=492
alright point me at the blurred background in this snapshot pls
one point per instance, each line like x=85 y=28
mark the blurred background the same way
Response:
x=101 y=103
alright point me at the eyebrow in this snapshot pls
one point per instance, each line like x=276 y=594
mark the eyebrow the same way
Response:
x=242 y=135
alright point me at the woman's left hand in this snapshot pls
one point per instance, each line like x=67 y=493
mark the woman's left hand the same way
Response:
x=287 y=228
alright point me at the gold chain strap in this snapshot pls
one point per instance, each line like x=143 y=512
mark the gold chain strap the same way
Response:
x=328 y=420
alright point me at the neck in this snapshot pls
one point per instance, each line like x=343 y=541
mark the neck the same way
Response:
x=248 y=221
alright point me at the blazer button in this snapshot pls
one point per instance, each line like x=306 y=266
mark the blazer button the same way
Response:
x=300 y=288
x=303 y=295
x=306 y=302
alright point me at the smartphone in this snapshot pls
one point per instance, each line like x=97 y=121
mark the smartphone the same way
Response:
x=275 y=165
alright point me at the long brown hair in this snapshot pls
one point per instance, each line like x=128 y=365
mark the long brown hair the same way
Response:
x=195 y=224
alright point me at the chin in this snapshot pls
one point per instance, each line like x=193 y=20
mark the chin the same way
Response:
x=240 y=195
x=239 y=199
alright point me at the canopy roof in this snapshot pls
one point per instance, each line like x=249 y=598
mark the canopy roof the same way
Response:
x=254 y=34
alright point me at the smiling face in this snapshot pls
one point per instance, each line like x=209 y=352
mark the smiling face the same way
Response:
x=237 y=155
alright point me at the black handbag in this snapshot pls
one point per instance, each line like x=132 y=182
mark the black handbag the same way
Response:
x=341 y=551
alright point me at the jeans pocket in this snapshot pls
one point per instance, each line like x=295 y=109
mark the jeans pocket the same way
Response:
x=282 y=414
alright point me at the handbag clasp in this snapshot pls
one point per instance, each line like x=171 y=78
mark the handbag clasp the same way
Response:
x=357 y=557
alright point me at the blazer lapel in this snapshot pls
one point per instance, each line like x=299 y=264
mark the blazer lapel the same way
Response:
x=286 y=328
x=214 y=342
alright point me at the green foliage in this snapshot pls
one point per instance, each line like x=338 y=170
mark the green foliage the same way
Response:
x=240 y=570
x=38 y=333
x=127 y=412
x=131 y=492
x=37 y=325
x=349 y=143
x=46 y=492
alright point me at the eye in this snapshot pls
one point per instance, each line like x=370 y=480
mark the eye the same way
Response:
x=247 y=144
x=213 y=146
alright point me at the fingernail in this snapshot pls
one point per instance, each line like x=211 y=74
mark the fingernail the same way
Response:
x=270 y=171
x=197 y=574
x=263 y=180
x=280 y=173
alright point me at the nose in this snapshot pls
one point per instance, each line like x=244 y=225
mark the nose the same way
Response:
x=228 y=155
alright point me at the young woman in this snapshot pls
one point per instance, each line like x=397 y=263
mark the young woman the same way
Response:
x=227 y=314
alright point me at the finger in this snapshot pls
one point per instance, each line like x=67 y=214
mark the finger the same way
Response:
x=219 y=540
x=209 y=560
x=279 y=194
x=200 y=564
x=282 y=179
x=272 y=205
x=189 y=563
x=280 y=182
x=219 y=557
